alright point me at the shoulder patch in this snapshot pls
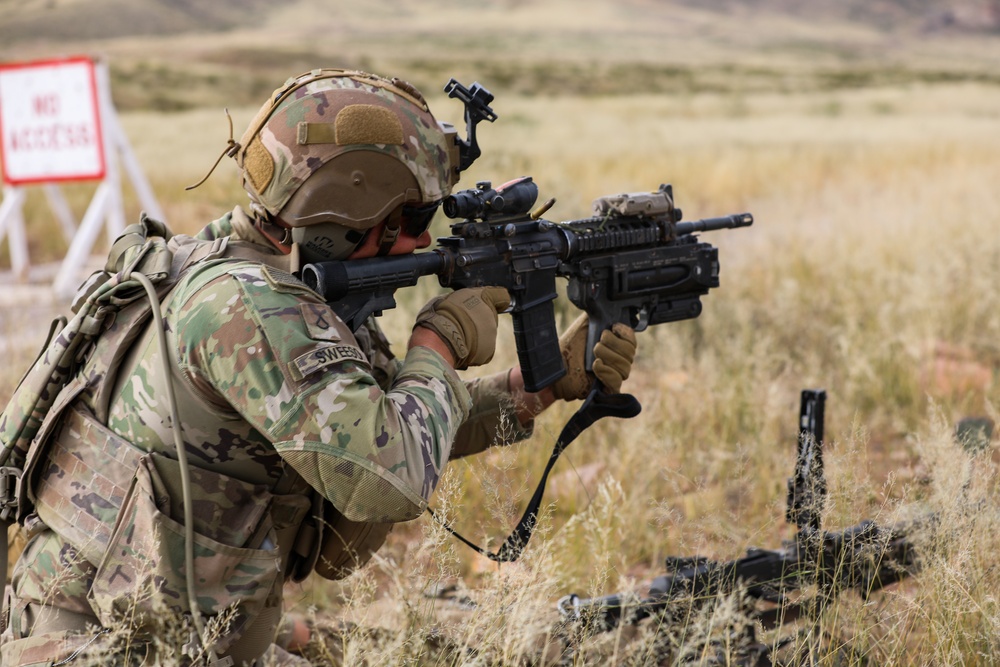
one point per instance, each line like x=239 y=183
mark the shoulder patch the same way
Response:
x=321 y=322
x=326 y=355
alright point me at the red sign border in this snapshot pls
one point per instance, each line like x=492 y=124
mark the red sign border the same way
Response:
x=102 y=169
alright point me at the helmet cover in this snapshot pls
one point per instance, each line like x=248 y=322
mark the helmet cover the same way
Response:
x=347 y=148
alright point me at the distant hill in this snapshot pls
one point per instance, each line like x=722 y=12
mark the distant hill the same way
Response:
x=890 y=15
x=178 y=54
x=58 y=20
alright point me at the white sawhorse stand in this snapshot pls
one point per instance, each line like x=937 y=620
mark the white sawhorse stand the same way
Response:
x=105 y=208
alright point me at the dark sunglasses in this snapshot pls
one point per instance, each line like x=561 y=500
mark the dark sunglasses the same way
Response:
x=417 y=219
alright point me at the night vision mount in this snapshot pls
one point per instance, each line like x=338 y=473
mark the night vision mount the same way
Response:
x=477 y=109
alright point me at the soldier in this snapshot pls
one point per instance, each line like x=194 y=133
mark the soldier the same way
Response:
x=291 y=443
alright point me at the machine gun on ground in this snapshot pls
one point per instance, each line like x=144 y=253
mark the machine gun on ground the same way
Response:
x=779 y=586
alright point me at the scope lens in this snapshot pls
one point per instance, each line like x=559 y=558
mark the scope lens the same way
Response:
x=463 y=205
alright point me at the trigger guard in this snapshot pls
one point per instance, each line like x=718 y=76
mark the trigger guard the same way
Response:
x=641 y=319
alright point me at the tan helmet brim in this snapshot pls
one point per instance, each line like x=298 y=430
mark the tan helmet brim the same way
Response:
x=357 y=190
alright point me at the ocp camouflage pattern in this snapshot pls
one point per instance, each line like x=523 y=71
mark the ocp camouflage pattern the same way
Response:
x=272 y=387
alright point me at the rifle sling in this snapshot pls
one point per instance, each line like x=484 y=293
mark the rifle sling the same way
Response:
x=597 y=405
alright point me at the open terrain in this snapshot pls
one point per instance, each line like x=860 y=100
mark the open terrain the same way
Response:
x=864 y=137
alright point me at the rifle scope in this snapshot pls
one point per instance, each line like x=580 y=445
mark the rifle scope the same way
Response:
x=512 y=198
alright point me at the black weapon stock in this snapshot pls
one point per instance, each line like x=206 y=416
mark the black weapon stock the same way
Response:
x=634 y=262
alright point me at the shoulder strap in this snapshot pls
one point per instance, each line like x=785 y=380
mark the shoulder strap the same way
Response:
x=142 y=248
x=116 y=340
x=597 y=405
x=111 y=301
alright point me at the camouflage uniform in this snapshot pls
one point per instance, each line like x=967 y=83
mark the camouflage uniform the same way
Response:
x=291 y=424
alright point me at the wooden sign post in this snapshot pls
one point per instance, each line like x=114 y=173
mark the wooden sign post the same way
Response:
x=58 y=124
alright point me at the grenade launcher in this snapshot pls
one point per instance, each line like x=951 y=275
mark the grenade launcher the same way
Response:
x=633 y=262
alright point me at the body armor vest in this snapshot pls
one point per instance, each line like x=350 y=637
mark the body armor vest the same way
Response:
x=120 y=506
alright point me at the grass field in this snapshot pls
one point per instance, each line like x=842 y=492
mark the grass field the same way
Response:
x=870 y=271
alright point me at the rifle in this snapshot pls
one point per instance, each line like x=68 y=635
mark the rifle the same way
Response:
x=633 y=262
x=864 y=558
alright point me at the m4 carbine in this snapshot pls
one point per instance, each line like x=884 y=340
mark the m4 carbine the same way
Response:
x=633 y=262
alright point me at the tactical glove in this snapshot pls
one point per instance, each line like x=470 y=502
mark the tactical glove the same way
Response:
x=613 y=357
x=466 y=320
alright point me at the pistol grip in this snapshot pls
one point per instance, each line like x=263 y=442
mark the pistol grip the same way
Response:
x=538 y=346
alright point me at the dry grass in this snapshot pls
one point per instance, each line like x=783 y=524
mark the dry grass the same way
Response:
x=871 y=271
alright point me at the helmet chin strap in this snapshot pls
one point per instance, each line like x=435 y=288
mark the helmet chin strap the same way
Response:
x=390 y=231
x=280 y=236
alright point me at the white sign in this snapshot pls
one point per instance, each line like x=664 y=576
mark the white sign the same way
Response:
x=50 y=124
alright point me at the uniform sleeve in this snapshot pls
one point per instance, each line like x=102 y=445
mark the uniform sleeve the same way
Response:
x=284 y=360
x=492 y=420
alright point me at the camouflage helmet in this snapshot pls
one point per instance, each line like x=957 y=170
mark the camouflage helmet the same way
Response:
x=335 y=152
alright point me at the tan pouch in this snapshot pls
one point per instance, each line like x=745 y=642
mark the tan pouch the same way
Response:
x=236 y=558
x=347 y=545
x=83 y=476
